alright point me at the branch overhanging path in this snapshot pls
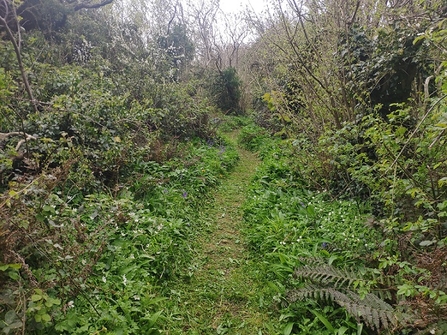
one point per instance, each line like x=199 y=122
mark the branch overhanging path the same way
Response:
x=225 y=294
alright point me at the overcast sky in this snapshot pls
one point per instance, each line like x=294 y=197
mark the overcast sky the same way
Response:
x=234 y=6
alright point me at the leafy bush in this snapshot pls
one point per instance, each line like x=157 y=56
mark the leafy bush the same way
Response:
x=253 y=137
x=101 y=256
x=226 y=90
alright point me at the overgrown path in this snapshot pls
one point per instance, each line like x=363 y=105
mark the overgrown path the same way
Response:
x=225 y=295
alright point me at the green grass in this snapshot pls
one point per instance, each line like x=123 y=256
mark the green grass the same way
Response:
x=228 y=293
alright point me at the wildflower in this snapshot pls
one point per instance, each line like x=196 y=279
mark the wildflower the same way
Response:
x=70 y=304
x=324 y=245
x=185 y=194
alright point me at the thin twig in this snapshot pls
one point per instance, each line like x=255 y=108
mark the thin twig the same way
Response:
x=414 y=132
x=16 y=42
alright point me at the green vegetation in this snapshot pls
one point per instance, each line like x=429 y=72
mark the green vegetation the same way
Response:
x=159 y=176
x=226 y=295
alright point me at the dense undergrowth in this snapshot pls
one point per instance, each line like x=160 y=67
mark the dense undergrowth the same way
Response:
x=105 y=157
x=96 y=264
x=335 y=266
x=108 y=146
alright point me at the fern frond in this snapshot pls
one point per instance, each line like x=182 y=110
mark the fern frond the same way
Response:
x=327 y=274
x=328 y=283
x=374 y=312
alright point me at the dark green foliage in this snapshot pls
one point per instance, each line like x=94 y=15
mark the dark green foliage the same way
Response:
x=132 y=241
x=178 y=48
x=226 y=90
x=293 y=96
x=335 y=248
x=104 y=170
x=100 y=203
x=383 y=69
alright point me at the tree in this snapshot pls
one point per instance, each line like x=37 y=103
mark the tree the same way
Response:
x=226 y=88
x=45 y=15
x=8 y=18
x=178 y=49
x=203 y=19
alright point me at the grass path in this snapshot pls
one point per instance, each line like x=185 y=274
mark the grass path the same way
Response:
x=226 y=293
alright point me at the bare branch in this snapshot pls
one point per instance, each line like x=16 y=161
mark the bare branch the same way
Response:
x=84 y=5
x=27 y=137
x=16 y=42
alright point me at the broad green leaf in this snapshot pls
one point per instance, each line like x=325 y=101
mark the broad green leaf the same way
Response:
x=10 y=316
x=154 y=317
x=46 y=317
x=12 y=193
x=14 y=275
x=426 y=243
x=36 y=297
x=323 y=320
x=332 y=259
x=49 y=209
x=16 y=324
x=342 y=330
x=419 y=38
x=12 y=266
x=288 y=329
x=359 y=328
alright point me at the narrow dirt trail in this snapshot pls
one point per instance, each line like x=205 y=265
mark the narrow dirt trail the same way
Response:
x=225 y=294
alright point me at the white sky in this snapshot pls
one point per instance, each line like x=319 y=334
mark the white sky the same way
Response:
x=234 y=6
